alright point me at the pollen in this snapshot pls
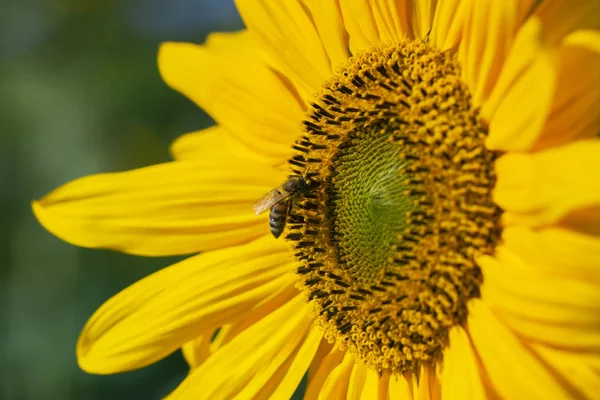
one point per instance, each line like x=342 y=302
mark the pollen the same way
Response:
x=400 y=205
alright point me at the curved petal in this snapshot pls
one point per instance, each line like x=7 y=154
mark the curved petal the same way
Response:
x=429 y=383
x=157 y=315
x=324 y=350
x=329 y=24
x=540 y=306
x=580 y=370
x=489 y=30
x=393 y=19
x=286 y=337
x=449 y=23
x=382 y=381
x=197 y=351
x=380 y=21
x=461 y=374
x=364 y=384
x=562 y=17
x=542 y=188
x=575 y=112
x=556 y=251
x=520 y=101
x=421 y=16
x=286 y=384
x=402 y=387
x=337 y=382
x=167 y=209
x=261 y=310
x=215 y=144
x=256 y=106
x=514 y=372
x=287 y=30
x=357 y=382
x=360 y=24
x=325 y=367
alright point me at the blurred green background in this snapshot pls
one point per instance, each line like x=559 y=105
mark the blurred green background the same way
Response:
x=80 y=93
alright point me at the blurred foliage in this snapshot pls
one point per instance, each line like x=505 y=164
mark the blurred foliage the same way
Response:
x=80 y=94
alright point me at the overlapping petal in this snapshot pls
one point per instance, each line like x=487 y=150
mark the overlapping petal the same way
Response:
x=429 y=387
x=541 y=306
x=217 y=145
x=532 y=86
x=461 y=374
x=562 y=17
x=575 y=112
x=542 y=188
x=513 y=371
x=167 y=209
x=421 y=16
x=258 y=107
x=488 y=32
x=286 y=337
x=323 y=369
x=287 y=31
x=157 y=315
x=449 y=23
x=380 y=21
x=337 y=382
x=581 y=371
x=577 y=256
x=519 y=103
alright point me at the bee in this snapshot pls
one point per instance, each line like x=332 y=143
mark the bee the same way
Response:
x=279 y=201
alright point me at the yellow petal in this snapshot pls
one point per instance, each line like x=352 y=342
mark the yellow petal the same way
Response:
x=513 y=371
x=357 y=382
x=157 y=315
x=328 y=20
x=256 y=106
x=259 y=311
x=402 y=387
x=218 y=145
x=519 y=104
x=392 y=18
x=324 y=368
x=449 y=23
x=287 y=30
x=421 y=16
x=364 y=384
x=287 y=384
x=586 y=220
x=198 y=350
x=556 y=251
x=336 y=384
x=580 y=370
x=565 y=16
x=383 y=384
x=360 y=24
x=575 y=112
x=461 y=375
x=488 y=33
x=239 y=369
x=555 y=309
x=542 y=188
x=325 y=348
x=429 y=383
x=166 y=209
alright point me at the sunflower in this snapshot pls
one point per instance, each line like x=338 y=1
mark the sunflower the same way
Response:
x=441 y=231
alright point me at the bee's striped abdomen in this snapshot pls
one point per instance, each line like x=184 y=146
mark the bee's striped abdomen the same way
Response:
x=277 y=218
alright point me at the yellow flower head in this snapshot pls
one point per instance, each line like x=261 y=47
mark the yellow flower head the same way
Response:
x=432 y=170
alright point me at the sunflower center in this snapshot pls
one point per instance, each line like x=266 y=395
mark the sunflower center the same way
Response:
x=399 y=205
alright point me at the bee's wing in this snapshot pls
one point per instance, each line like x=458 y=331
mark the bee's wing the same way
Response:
x=269 y=199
